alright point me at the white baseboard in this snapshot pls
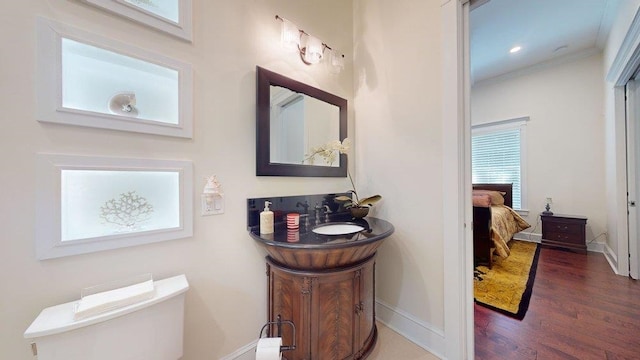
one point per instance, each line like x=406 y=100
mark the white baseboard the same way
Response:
x=415 y=330
x=247 y=352
x=537 y=238
x=528 y=236
x=612 y=258
x=596 y=247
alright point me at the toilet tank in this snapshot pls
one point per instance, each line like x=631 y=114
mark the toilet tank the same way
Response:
x=148 y=330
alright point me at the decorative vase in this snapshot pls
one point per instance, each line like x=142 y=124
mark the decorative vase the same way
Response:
x=359 y=212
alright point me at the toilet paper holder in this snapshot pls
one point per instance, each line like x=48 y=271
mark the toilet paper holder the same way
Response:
x=278 y=323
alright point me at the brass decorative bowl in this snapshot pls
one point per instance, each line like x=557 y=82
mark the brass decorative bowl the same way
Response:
x=359 y=212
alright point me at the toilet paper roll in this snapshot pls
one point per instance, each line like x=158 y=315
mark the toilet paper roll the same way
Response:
x=269 y=349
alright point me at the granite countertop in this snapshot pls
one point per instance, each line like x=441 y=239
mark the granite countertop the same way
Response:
x=304 y=238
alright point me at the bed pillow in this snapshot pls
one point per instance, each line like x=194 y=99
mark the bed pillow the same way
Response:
x=496 y=196
x=481 y=200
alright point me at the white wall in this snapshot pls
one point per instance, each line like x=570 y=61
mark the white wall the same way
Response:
x=564 y=137
x=226 y=304
x=399 y=155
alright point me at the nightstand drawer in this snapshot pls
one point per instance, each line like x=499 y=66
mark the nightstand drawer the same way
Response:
x=565 y=237
x=563 y=227
x=564 y=231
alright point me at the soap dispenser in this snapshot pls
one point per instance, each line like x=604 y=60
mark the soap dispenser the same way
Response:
x=266 y=219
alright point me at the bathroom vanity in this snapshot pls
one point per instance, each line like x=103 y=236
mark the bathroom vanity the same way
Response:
x=324 y=284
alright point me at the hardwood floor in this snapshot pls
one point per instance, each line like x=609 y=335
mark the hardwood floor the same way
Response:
x=579 y=310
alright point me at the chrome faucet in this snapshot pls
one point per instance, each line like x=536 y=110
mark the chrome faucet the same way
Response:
x=318 y=208
x=305 y=216
x=327 y=211
x=306 y=222
x=305 y=206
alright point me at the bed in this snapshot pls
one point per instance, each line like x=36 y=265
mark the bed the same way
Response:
x=494 y=224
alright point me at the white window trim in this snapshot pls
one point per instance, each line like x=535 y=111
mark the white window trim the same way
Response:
x=510 y=124
x=49 y=83
x=48 y=237
x=183 y=29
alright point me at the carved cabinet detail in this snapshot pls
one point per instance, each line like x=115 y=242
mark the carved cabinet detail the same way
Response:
x=333 y=310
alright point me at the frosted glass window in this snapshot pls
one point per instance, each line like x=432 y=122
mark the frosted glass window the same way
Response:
x=102 y=203
x=171 y=16
x=167 y=9
x=88 y=203
x=92 y=76
x=85 y=79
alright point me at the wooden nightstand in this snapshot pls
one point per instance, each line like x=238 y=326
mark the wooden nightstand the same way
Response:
x=564 y=231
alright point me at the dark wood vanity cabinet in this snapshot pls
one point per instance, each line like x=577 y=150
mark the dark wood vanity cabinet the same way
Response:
x=325 y=285
x=333 y=310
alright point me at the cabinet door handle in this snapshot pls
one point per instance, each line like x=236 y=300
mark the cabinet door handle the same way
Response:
x=359 y=308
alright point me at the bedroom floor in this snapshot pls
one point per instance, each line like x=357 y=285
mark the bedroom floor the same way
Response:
x=579 y=310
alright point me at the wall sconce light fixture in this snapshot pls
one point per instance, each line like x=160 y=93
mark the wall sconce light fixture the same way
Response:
x=290 y=35
x=311 y=49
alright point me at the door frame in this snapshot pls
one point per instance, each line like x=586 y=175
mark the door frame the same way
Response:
x=633 y=145
x=623 y=67
x=459 y=329
x=457 y=210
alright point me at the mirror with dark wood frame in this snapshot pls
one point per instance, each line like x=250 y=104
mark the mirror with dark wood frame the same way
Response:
x=292 y=118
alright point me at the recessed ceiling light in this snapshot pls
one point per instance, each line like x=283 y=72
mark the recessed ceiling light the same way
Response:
x=515 y=49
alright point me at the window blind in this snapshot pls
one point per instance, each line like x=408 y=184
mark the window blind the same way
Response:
x=495 y=158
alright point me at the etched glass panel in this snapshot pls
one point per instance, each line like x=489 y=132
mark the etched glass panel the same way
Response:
x=166 y=9
x=97 y=203
x=103 y=81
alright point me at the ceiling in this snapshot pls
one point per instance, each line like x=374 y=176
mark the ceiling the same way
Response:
x=545 y=29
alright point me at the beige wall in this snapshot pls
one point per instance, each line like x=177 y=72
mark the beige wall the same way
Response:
x=226 y=304
x=398 y=108
x=564 y=137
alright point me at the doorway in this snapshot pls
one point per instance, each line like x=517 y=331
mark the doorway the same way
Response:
x=618 y=216
x=625 y=128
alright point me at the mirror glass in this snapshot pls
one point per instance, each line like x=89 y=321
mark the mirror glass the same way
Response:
x=300 y=123
x=293 y=120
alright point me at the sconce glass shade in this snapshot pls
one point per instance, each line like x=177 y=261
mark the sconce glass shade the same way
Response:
x=313 y=50
x=290 y=36
x=336 y=62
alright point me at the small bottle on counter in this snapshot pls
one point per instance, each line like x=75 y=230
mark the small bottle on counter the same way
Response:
x=266 y=219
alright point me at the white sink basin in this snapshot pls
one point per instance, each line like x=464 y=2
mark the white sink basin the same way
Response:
x=337 y=229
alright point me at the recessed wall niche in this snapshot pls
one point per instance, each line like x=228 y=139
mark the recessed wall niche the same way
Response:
x=88 y=80
x=87 y=204
x=171 y=16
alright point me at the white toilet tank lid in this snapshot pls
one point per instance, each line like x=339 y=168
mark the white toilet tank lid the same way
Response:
x=59 y=318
